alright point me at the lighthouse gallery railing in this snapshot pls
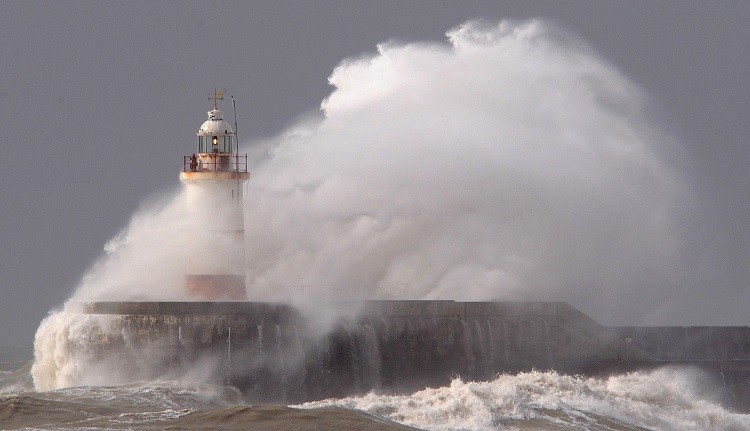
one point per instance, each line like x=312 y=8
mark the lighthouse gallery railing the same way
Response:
x=219 y=163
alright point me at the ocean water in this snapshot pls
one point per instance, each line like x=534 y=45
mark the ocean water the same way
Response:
x=663 y=399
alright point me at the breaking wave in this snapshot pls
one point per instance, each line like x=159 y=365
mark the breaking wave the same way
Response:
x=668 y=399
x=665 y=399
x=509 y=162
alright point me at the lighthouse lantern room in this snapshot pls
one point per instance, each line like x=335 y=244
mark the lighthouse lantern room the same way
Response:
x=214 y=177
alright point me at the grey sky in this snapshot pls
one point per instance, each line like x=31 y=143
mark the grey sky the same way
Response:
x=100 y=101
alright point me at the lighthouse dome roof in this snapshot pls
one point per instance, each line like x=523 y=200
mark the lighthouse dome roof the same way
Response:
x=215 y=125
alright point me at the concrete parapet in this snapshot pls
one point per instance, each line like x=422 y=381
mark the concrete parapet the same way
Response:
x=390 y=345
x=272 y=352
x=687 y=343
x=188 y=308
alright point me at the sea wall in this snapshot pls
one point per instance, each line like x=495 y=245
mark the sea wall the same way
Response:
x=272 y=352
x=686 y=343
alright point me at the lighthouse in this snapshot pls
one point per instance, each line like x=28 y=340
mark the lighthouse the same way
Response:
x=214 y=176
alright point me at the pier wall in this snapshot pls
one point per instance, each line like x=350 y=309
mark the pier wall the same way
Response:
x=686 y=343
x=272 y=352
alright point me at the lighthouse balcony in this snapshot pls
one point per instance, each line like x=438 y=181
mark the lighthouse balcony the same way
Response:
x=214 y=166
x=214 y=162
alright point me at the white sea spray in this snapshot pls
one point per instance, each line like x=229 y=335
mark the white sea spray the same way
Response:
x=665 y=399
x=509 y=162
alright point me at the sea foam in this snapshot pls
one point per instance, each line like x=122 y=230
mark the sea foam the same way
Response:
x=665 y=399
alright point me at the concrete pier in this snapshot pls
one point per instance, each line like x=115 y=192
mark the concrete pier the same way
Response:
x=272 y=352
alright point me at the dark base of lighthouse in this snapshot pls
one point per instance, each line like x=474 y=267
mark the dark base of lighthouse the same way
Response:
x=273 y=353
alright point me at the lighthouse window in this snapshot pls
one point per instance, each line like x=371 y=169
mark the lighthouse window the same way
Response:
x=215 y=144
x=226 y=144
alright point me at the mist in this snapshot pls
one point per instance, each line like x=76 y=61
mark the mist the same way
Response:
x=510 y=162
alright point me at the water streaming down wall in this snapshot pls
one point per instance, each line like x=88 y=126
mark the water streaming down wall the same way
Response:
x=273 y=354
x=391 y=346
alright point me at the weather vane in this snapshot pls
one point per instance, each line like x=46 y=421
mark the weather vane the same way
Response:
x=218 y=95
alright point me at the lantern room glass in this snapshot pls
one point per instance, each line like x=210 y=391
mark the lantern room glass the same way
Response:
x=224 y=144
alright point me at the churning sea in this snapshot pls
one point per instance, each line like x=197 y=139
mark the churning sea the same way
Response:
x=663 y=399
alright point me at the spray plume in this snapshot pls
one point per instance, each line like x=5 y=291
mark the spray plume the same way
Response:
x=509 y=163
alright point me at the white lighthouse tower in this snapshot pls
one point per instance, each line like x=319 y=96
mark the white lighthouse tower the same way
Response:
x=214 y=176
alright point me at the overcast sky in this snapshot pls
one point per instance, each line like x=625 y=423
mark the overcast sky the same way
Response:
x=100 y=100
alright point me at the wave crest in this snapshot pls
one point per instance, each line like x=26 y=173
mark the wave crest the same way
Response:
x=665 y=399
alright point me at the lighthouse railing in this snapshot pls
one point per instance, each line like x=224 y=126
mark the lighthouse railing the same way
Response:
x=218 y=163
